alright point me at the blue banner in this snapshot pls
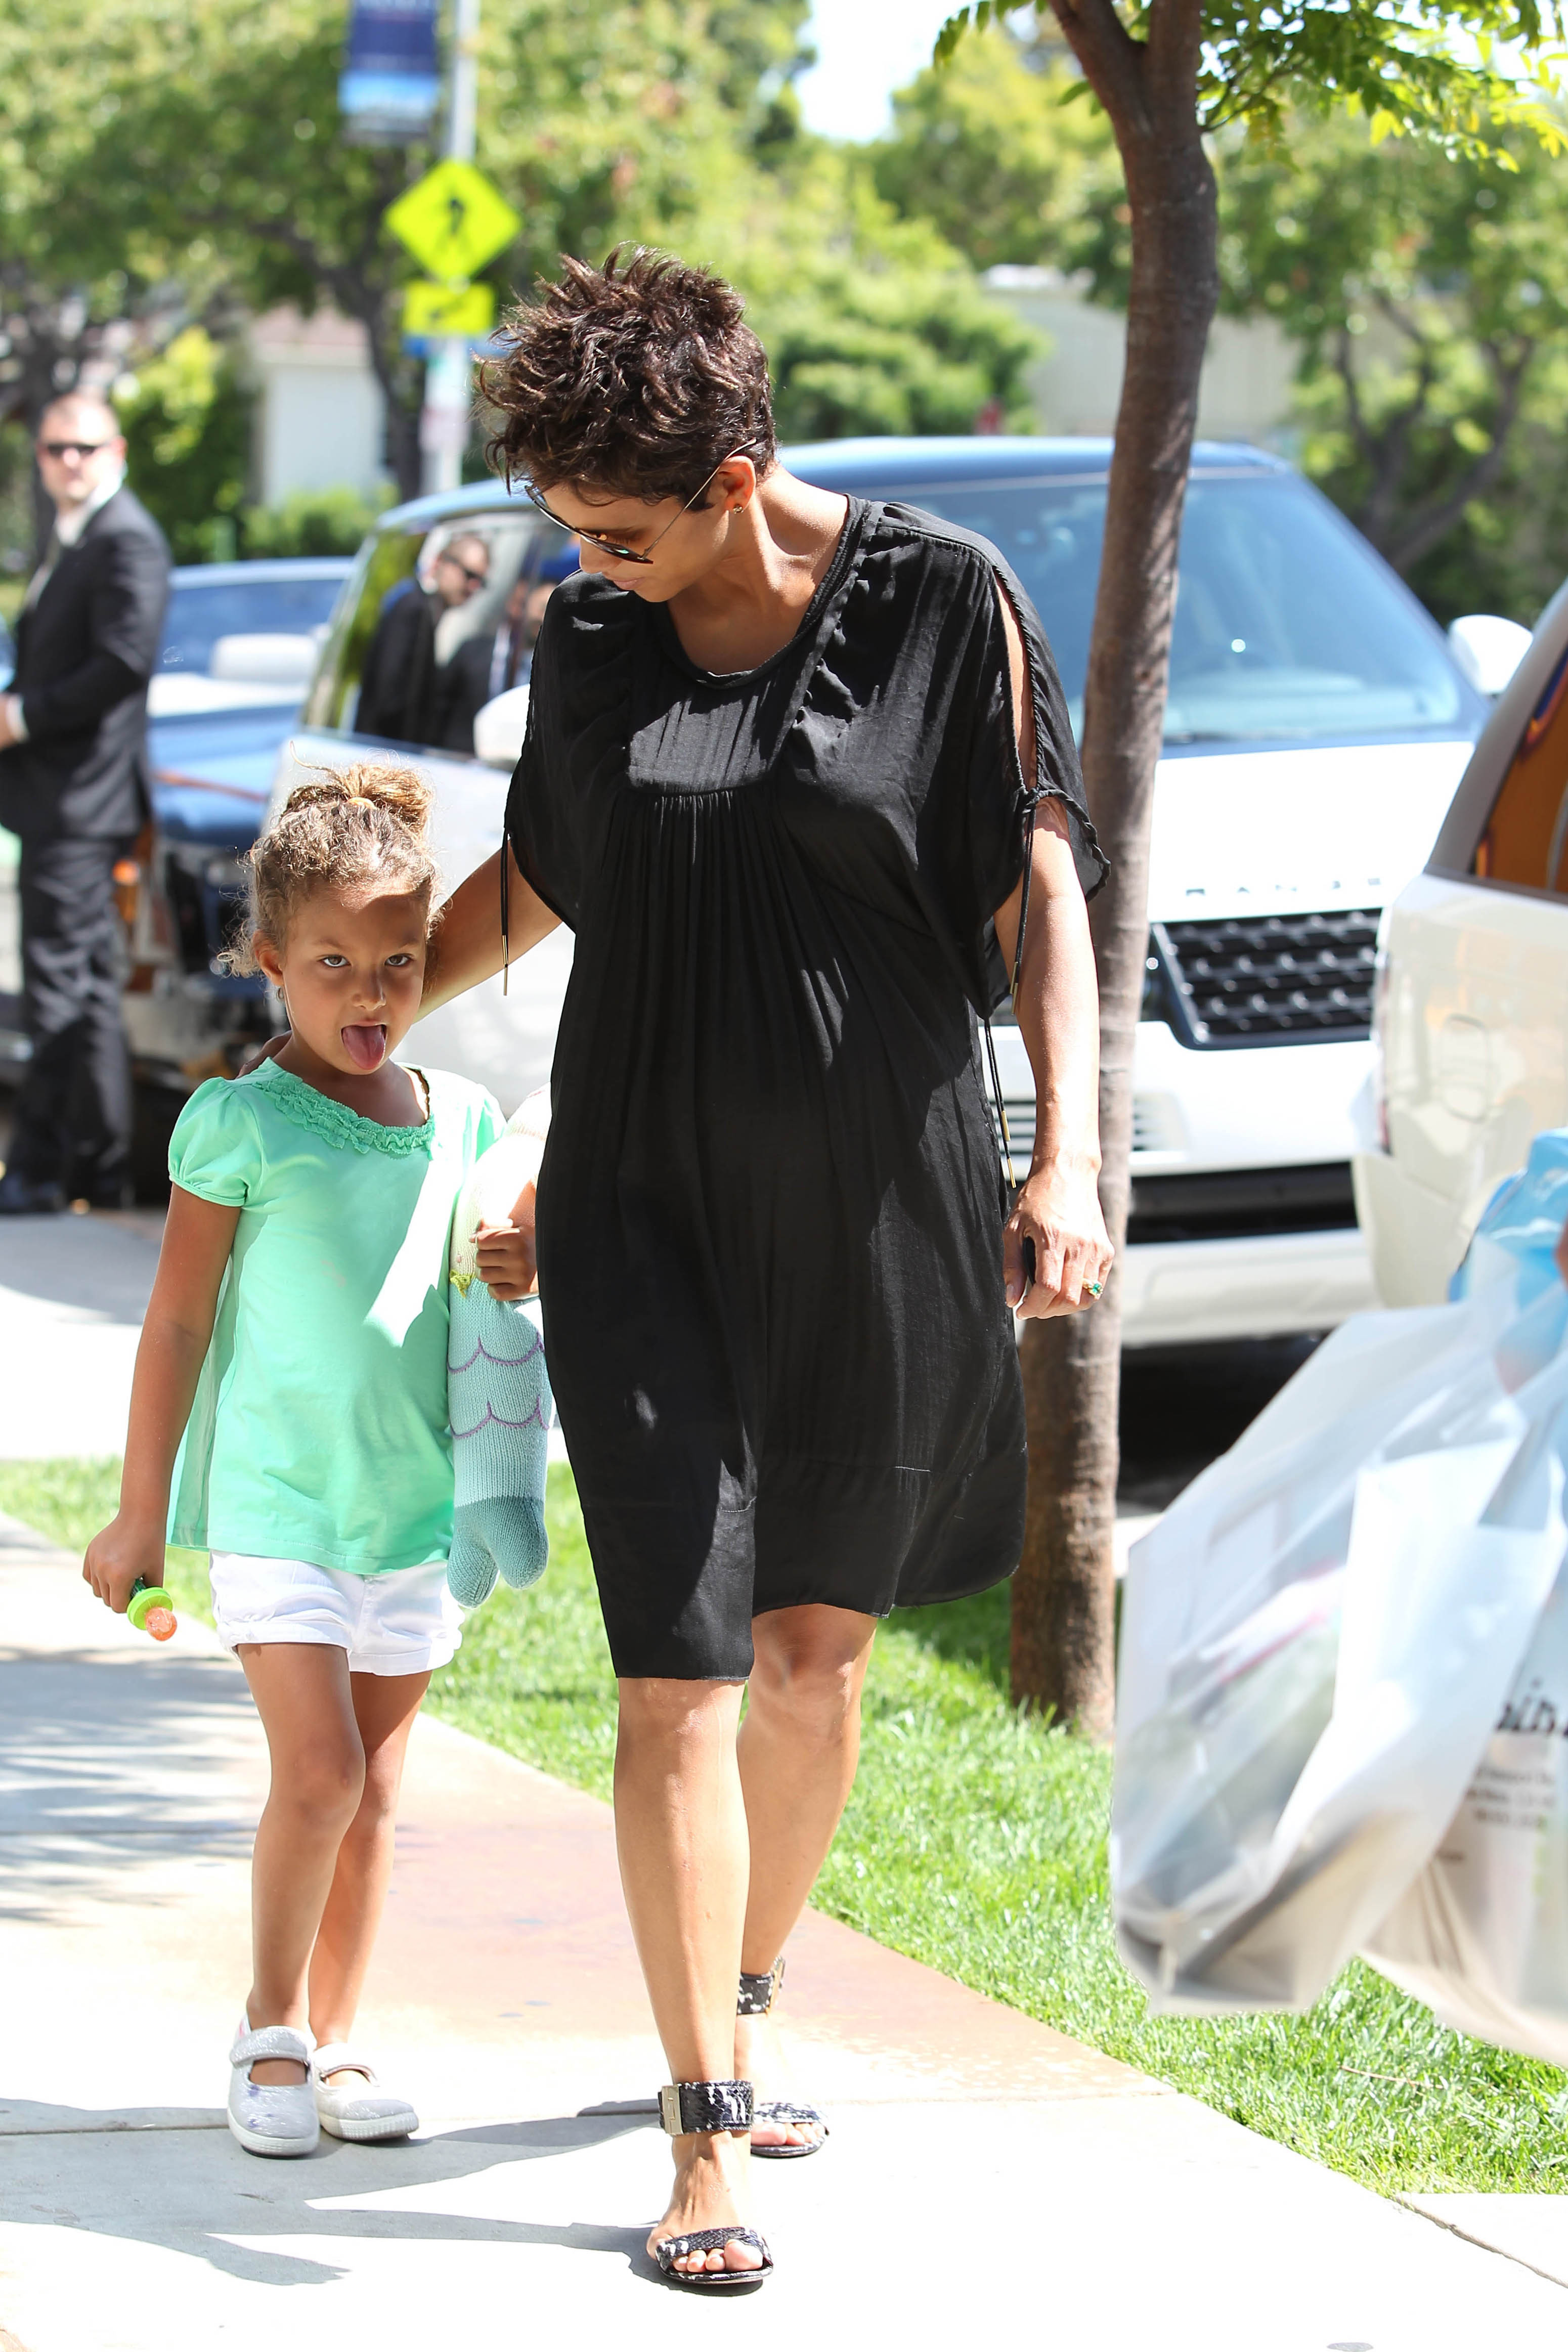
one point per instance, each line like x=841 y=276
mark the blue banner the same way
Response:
x=390 y=88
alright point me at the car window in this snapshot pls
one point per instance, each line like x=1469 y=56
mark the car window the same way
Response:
x=1526 y=839
x=1286 y=627
x=417 y=673
x=201 y=612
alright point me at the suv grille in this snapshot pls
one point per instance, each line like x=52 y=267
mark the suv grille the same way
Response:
x=1222 y=1203
x=1151 y=1132
x=1265 y=979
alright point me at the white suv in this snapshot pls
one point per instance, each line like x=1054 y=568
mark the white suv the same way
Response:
x=1472 y=1028
x=1318 y=723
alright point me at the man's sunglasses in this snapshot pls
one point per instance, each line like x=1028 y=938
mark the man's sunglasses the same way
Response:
x=72 y=448
x=475 y=578
x=610 y=546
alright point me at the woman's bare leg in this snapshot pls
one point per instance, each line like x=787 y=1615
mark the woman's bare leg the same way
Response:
x=384 y=1706
x=680 y=1828
x=798 y=1748
x=303 y=1697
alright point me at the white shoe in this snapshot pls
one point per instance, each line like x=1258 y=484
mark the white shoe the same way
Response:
x=358 y=2108
x=271 y=2118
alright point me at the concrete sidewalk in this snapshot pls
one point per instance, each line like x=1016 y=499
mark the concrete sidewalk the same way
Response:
x=983 y=2172
x=73 y=1290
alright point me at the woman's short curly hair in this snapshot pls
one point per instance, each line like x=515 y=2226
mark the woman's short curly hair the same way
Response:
x=636 y=380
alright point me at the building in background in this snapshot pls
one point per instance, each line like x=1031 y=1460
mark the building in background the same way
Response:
x=1246 y=389
x=320 y=418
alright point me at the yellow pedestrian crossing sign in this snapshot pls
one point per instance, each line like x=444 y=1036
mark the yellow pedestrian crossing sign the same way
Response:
x=431 y=308
x=454 y=220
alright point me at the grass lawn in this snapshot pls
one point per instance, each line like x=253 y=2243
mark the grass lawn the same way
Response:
x=975 y=1841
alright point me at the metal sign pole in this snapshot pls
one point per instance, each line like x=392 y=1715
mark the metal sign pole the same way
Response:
x=449 y=379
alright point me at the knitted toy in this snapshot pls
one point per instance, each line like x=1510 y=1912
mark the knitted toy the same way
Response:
x=498 y=1389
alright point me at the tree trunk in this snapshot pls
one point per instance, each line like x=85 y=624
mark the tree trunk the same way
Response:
x=1063 y=1597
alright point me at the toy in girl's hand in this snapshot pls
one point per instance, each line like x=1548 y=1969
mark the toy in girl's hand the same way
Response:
x=151 y=1611
x=498 y=1389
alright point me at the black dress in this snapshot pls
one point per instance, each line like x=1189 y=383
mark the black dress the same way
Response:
x=771 y=1206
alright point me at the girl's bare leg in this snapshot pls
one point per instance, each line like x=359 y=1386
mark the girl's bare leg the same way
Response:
x=384 y=1706
x=680 y=1827
x=303 y=1697
x=798 y=1748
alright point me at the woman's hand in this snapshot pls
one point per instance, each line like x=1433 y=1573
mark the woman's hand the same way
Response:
x=1057 y=1211
x=127 y=1548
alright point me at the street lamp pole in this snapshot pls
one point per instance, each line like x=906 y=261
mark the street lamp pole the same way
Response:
x=448 y=377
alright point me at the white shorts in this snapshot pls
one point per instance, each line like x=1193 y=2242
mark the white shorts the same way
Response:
x=403 y=1621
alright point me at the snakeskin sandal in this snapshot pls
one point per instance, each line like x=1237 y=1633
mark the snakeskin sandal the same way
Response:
x=708 y=2107
x=757 y=1996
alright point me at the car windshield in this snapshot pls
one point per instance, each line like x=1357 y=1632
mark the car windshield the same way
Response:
x=1286 y=627
x=440 y=622
x=201 y=612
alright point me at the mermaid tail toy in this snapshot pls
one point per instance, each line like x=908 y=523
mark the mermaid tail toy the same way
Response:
x=498 y=1384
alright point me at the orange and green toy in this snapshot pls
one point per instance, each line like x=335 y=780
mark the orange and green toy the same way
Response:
x=152 y=1611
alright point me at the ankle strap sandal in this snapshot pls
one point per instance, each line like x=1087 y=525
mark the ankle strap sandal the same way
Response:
x=708 y=2107
x=756 y=1997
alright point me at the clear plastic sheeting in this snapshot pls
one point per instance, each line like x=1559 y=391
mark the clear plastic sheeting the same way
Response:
x=1317 y=1640
x=1481 y=1935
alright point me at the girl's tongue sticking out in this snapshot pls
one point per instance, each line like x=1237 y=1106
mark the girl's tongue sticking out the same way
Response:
x=364 y=1041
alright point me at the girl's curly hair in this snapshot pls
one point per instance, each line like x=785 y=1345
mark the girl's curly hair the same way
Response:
x=342 y=829
x=636 y=380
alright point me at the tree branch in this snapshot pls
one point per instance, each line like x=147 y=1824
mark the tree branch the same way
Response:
x=1428 y=525
x=1112 y=62
x=1344 y=369
x=1391 y=453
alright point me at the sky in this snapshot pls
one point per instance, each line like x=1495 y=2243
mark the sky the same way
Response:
x=868 y=48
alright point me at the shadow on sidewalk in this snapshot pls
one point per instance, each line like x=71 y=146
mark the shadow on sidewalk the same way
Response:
x=187 y=2187
x=106 y=1770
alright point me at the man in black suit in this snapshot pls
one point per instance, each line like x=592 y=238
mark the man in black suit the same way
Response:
x=497 y=660
x=73 y=786
x=402 y=692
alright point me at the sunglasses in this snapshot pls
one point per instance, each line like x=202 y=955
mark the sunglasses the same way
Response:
x=475 y=578
x=72 y=448
x=609 y=546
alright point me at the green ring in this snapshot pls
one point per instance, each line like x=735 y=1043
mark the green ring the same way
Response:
x=1095 y=1288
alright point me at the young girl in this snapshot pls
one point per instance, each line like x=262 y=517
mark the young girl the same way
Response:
x=309 y=1218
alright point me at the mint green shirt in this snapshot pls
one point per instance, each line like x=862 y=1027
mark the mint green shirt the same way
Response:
x=319 y=1430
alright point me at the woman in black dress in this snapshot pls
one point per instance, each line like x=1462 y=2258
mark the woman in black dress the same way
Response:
x=789 y=758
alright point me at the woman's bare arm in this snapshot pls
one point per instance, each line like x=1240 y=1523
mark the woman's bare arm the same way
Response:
x=197 y=1239
x=1057 y=1210
x=466 y=943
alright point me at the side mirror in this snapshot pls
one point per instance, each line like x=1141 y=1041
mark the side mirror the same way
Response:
x=264 y=657
x=498 y=729
x=1488 y=648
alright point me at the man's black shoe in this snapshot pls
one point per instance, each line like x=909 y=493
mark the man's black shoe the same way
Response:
x=21 y=1197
